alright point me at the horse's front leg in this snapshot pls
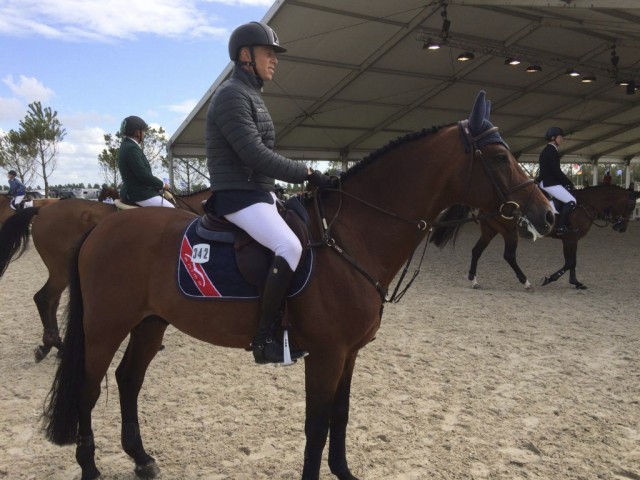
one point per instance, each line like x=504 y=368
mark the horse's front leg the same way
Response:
x=510 y=247
x=324 y=371
x=487 y=234
x=339 y=421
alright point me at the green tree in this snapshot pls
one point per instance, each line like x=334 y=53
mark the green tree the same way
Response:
x=42 y=129
x=189 y=174
x=108 y=160
x=17 y=155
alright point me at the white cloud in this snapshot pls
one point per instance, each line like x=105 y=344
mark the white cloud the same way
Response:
x=77 y=157
x=12 y=111
x=244 y=3
x=184 y=108
x=97 y=20
x=29 y=88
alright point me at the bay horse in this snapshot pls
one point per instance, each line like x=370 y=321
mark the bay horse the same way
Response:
x=613 y=204
x=55 y=229
x=124 y=284
x=6 y=211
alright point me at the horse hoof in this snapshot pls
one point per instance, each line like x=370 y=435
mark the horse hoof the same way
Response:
x=546 y=281
x=580 y=286
x=150 y=470
x=40 y=353
x=527 y=285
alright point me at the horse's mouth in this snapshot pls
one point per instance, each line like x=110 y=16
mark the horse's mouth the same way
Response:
x=527 y=230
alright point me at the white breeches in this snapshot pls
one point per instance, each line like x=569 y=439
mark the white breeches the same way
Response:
x=559 y=192
x=16 y=201
x=156 y=202
x=265 y=225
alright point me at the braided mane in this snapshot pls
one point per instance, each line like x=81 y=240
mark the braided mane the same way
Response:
x=372 y=157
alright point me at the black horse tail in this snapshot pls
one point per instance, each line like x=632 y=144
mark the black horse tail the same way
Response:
x=14 y=236
x=61 y=413
x=448 y=225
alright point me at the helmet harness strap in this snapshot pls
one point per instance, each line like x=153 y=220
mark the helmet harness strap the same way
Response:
x=252 y=63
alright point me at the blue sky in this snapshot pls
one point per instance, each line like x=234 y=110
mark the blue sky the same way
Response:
x=98 y=61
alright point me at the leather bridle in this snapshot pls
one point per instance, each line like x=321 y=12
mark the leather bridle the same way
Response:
x=421 y=225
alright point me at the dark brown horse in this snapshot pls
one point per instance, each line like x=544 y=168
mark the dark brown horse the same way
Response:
x=612 y=204
x=56 y=228
x=125 y=284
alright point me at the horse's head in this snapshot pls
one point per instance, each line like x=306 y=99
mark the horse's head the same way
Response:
x=509 y=191
x=108 y=192
x=623 y=206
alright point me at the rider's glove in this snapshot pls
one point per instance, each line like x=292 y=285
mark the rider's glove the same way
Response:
x=321 y=180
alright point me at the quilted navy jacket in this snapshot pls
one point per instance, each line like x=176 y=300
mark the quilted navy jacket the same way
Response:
x=240 y=137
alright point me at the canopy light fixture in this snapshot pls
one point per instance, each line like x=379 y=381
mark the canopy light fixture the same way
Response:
x=466 y=56
x=512 y=61
x=431 y=45
x=533 y=69
x=588 y=79
x=623 y=83
x=573 y=72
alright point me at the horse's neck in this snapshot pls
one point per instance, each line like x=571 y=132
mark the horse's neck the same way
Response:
x=194 y=201
x=409 y=190
x=599 y=197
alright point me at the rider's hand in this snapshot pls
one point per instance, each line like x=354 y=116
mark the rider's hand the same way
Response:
x=321 y=180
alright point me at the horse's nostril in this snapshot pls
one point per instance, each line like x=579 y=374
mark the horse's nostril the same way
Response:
x=549 y=217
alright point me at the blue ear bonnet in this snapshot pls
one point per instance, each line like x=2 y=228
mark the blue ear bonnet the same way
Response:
x=479 y=122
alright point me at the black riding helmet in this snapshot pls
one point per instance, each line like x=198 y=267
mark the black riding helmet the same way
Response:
x=132 y=123
x=553 y=132
x=251 y=35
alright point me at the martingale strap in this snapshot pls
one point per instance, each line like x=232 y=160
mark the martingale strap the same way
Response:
x=328 y=241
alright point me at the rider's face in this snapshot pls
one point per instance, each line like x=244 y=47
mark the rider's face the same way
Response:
x=266 y=61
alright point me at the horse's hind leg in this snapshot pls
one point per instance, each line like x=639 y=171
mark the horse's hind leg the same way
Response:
x=96 y=364
x=145 y=341
x=570 y=249
x=47 y=300
x=339 y=420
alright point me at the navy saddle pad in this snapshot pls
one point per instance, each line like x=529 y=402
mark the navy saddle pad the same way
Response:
x=207 y=269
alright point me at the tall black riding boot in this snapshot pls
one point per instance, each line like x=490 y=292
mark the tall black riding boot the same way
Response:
x=266 y=347
x=563 y=218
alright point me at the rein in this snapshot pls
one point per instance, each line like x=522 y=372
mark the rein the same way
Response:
x=422 y=225
x=179 y=202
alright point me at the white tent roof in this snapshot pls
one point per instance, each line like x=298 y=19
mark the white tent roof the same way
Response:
x=356 y=75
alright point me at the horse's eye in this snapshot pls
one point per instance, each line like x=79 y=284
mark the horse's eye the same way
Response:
x=502 y=158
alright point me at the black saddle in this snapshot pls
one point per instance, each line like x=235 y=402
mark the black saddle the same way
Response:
x=252 y=258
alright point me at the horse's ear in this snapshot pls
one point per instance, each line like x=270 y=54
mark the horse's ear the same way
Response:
x=478 y=114
x=487 y=113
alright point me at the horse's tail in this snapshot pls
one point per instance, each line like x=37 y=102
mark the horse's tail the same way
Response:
x=61 y=413
x=448 y=225
x=14 y=236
